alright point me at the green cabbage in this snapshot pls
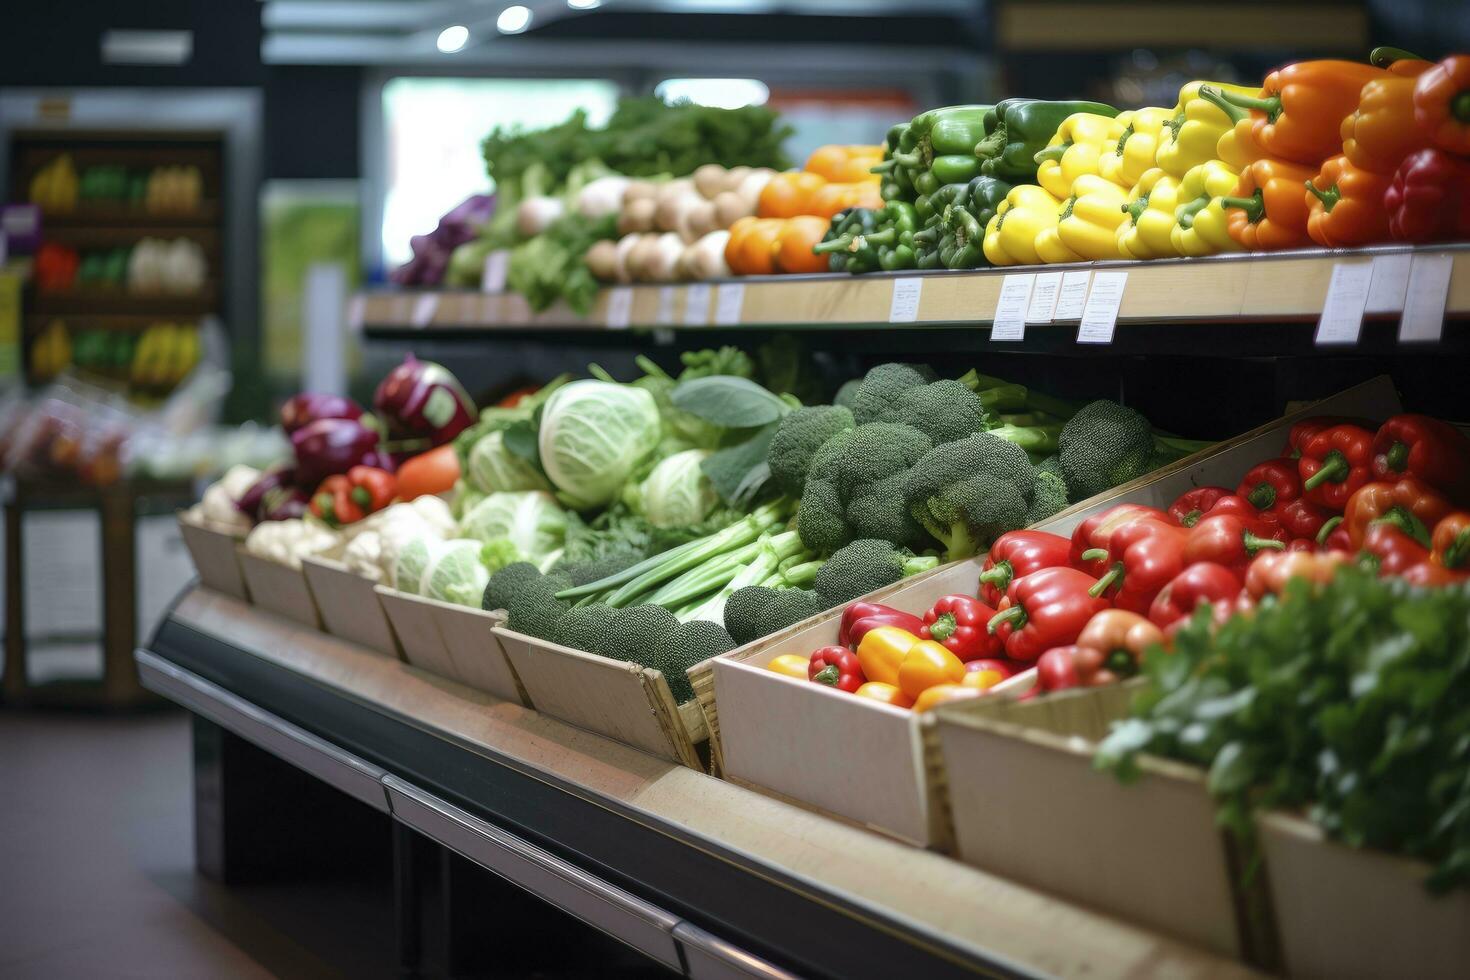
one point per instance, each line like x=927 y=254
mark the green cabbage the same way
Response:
x=455 y=574
x=676 y=493
x=593 y=435
x=492 y=467
x=532 y=522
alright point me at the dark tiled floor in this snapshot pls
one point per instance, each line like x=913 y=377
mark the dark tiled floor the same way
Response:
x=96 y=869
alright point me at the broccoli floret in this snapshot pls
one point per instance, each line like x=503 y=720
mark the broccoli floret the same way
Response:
x=820 y=520
x=535 y=609
x=583 y=627
x=880 y=388
x=1048 y=496
x=632 y=633
x=843 y=471
x=507 y=583
x=1052 y=464
x=597 y=569
x=684 y=646
x=847 y=393
x=878 y=511
x=756 y=611
x=797 y=439
x=942 y=410
x=865 y=565
x=1104 y=445
x=969 y=492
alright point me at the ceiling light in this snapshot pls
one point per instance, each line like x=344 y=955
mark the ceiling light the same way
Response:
x=720 y=93
x=451 y=39
x=584 y=4
x=513 y=20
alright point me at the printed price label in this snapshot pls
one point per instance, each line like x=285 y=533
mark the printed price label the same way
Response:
x=620 y=308
x=424 y=308
x=666 y=299
x=729 y=299
x=1072 y=296
x=1342 y=311
x=492 y=279
x=696 y=305
x=1390 y=280
x=905 y=305
x=1100 y=314
x=1044 y=297
x=1009 y=322
x=1424 y=301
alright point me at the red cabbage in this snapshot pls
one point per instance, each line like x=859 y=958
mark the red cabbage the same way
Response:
x=421 y=399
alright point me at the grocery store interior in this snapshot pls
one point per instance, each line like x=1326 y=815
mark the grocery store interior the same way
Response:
x=735 y=488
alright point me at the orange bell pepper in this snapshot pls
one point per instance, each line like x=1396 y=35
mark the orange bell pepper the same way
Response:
x=887 y=693
x=1269 y=208
x=789 y=194
x=939 y=694
x=1345 y=204
x=843 y=163
x=882 y=650
x=1298 y=113
x=1442 y=104
x=751 y=248
x=794 y=244
x=790 y=665
x=832 y=198
x=1382 y=130
x=1271 y=570
x=1449 y=546
x=926 y=664
x=1409 y=505
x=1397 y=61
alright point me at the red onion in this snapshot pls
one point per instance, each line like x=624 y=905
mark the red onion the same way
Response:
x=330 y=446
x=423 y=399
x=307 y=407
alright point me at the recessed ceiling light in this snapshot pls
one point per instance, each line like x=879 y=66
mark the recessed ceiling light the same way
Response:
x=451 y=39
x=721 y=93
x=584 y=4
x=513 y=20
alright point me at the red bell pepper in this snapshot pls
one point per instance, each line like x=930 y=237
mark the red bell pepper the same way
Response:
x=1429 y=198
x=837 y=667
x=1204 y=581
x=959 y=623
x=351 y=496
x=1271 y=570
x=880 y=614
x=1429 y=575
x=1420 y=446
x=1300 y=520
x=1442 y=104
x=1333 y=536
x=1408 y=504
x=1017 y=554
x=1230 y=541
x=1109 y=648
x=1335 y=463
x=1392 y=550
x=1045 y=609
x=1449 y=545
x=1142 y=557
x=1094 y=533
x=1191 y=505
x=1307 y=428
x=1272 y=484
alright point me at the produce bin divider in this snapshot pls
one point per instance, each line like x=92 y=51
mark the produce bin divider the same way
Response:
x=349 y=606
x=279 y=588
x=213 y=552
x=417 y=631
x=476 y=652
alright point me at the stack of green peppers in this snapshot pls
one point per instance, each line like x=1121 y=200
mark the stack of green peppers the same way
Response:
x=955 y=217
x=936 y=148
x=863 y=240
x=1018 y=129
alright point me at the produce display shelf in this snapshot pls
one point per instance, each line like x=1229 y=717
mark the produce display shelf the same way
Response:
x=90 y=215
x=103 y=302
x=710 y=878
x=1272 y=287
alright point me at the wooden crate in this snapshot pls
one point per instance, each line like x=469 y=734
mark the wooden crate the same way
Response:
x=279 y=588
x=452 y=641
x=349 y=606
x=621 y=700
x=213 y=552
x=1345 y=913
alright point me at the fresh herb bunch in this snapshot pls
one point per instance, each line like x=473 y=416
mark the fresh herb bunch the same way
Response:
x=549 y=266
x=1351 y=700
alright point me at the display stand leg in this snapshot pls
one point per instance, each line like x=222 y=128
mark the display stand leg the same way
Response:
x=13 y=677
x=407 y=898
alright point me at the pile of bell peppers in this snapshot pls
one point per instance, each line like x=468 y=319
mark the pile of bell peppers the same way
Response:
x=1336 y=153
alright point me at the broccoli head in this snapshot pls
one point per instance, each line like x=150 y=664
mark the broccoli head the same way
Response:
x=821 y=520
x=583 y=627
x=633 y=632
x=880 y=388
x=684 y=646
x=969 y=492
x=942 y=410
x=1104 y=445
x=843 y=470
x=756 y=611
x=847 y=393
x=597 y=569
x=798 y=437
x=507 y=583
x=1048 y=496
x=534 y=609
x=865 y=565
x=877 y=511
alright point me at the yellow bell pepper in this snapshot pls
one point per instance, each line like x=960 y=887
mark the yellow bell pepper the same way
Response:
x=927 y=664
x=1010 y=236
x=1144 y=234
x=1199 y=220
x=1075 y=150
x=1192 y=135
x=1089 y=220
x=882 y=650
x=790 y=664
x=1137 y=147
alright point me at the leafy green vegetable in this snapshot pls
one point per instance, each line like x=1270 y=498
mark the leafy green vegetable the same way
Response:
x=729 y=402
x=592 y=436
x=549 y=266
x=676 y=493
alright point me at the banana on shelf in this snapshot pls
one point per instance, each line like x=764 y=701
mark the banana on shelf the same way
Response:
x=165 y=355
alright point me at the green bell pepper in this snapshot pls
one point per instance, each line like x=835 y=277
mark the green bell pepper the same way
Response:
x=942 y=132
x=963 y=217
x=1018 y=129
x=845 y=243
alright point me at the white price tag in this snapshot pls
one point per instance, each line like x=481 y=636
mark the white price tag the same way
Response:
x=696 y=305
x=356 y=310
x=1100 y=314
x=1390 y=280
x=423 y=310
x=729 y=299
x=904 y=307
x=1342 y=311
x=1009 y=322
x=1424 y=302
x=1072 y=296
x=492 y=279
x=1043 y=297
x=666 y=298
x=620 y=308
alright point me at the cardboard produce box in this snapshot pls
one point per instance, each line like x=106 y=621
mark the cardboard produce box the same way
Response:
x=762 y=717
x=453 y=641
x=349 y=606
x=623 y=701
x=1346 y=913
x=213 y=552
x=279 y=588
